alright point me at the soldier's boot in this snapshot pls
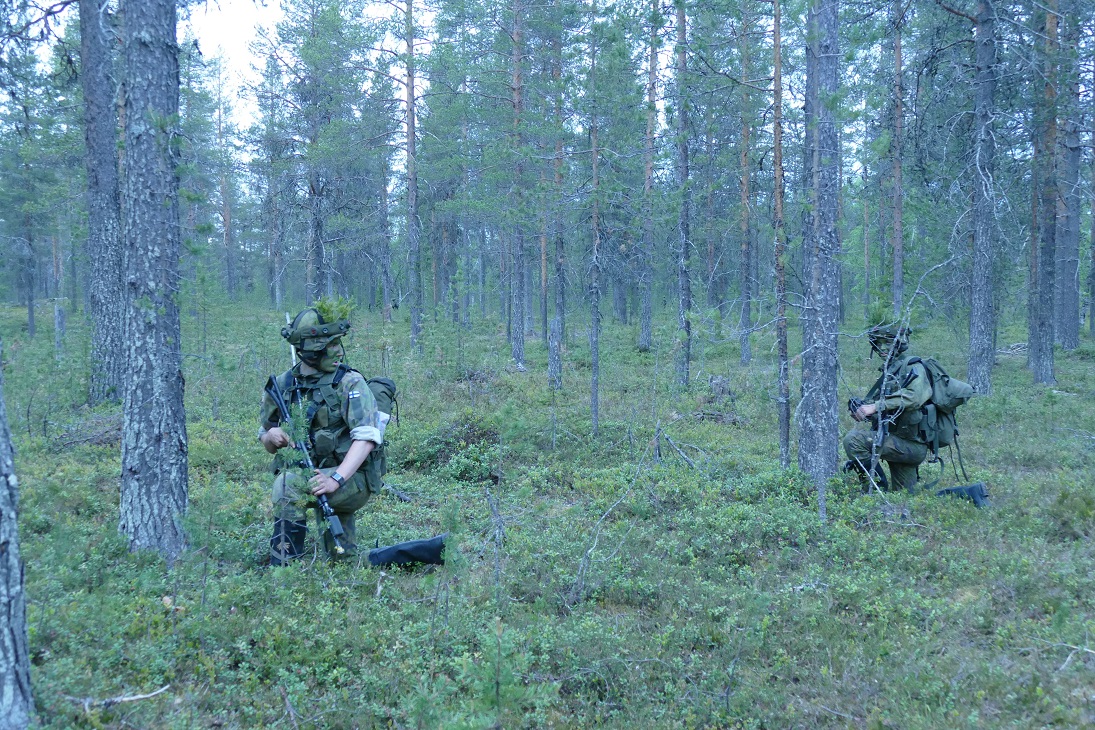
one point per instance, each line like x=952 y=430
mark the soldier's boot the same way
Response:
x=978 y=493
x=349 y=547
x=879 y=476
x=287 y=542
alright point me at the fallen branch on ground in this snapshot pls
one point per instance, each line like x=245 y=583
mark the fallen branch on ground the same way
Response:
x=87 y=702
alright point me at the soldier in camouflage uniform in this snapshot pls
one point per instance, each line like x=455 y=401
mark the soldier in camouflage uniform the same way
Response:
x=343 y=427
x=893 y=405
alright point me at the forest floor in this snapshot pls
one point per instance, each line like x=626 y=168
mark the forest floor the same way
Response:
x=624 y=581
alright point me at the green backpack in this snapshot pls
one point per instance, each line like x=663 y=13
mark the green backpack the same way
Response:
x=376 y=466
x=939 y=427
x=386 y=394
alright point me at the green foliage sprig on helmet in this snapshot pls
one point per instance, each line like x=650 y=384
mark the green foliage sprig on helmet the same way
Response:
x=314 y=330
x=889 y=337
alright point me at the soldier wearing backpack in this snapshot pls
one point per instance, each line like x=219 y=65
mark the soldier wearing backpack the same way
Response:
x=891 y=414
x=336 y=407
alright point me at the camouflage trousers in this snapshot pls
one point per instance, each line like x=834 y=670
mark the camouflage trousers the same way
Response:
x=902 y=455
x=292 y=500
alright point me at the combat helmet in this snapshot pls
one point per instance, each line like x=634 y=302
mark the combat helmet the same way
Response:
x=893 y=338
x=310 y=335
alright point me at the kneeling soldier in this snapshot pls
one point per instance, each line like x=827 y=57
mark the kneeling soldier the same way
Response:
x=343 y=427
x=892 y=412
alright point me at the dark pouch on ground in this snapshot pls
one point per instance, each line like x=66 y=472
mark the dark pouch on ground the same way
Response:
x=430 y=552
x=977 y=493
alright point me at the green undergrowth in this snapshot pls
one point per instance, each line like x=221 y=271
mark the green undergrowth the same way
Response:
x=665 y=574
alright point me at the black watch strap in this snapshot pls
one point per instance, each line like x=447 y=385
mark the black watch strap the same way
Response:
x=339 y=478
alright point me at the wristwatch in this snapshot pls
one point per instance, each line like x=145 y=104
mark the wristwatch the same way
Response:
x=341 y=480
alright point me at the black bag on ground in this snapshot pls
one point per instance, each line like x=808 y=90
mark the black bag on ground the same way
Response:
x=429 y=552
x=977 y=493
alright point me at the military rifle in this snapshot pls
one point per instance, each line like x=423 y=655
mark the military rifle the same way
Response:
x=333 y=522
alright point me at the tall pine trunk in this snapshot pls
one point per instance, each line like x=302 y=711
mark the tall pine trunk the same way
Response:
x=385 y=254
x=154 y=447
x=1091 y=263
x=595 y=264
x=517 y=275
x=746 y=274
x=783 y=401
x=898 y=186
x=557 y=179
x=1045 y=159
x=16 y=702
x=684 y=242
x=817 y=454
x=1067 y=326
x=982 y=305
x=104 y=249
x=414 y=276
x=646 y=271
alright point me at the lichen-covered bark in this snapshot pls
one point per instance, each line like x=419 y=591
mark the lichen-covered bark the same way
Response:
x=684 y=281
x=1042 y=333
x=817 y=453
x=1070 y=209
x=104 y=249
x=982 y=308
x=154 y=447
x=16 y=703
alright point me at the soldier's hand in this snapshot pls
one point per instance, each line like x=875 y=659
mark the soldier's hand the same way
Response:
x=275 y=439
x=865 y=411
x=322 y=484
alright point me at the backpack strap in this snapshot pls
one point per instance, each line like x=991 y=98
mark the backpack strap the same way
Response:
x=341 y=372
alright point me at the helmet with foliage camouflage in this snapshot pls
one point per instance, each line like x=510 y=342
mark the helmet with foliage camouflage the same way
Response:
x=888 y=337
x=310 y=335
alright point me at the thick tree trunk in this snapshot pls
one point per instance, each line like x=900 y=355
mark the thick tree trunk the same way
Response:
x=1070 y=198
x=557 y=169
x=817 y=454
x=595 y=263
x=1042 y=333
x=517 y=330
x=230 y=274
x=783 y=401
x=1091 y=263
x=385 y=254
x=317 y=256
x=746 y=275
x=1067 y=327
x=58 y=305
x=16 y=702
x=104 y=249
x=646 y=270
x=982 y=305
x=898 y=186
x=274 y=247
x=866 y=254
x=465 y=237
x=30 y=279
x=414 y=276
x=544 y=227
x=154 y=447
x=684 y=247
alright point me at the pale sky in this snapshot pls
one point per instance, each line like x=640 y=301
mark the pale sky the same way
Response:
x=226 y=28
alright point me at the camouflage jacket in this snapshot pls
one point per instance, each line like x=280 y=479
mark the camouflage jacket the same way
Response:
x=900 y=393
x=339 y=409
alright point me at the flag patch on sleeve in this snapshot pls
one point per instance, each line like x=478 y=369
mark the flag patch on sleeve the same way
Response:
x=354 y=394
